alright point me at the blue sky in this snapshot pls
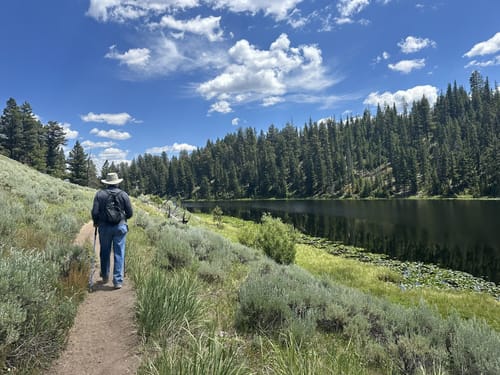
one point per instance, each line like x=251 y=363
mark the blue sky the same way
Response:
x=126 y=77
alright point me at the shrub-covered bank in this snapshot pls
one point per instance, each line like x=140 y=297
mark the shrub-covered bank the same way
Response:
x=246 y=313
x=43 y=275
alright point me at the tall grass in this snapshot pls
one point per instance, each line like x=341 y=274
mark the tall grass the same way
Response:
x=167 y=303
x=291 y=357
x=199 y=355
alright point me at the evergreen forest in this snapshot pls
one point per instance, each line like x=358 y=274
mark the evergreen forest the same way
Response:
x=449 y=149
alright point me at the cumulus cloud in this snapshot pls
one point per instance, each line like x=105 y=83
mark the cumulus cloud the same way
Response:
x=133 y=58
x=113 y=155
x=414 y=44
x=277 y=9
x=272 y=100
x=68 y=132
x=111 y=134
x=127 y=10
x=487 y=47
x=235 y=121
x=483 y=64
x=91 y=144
x=175 y=148
x=162 y=57
x=207 y=26
x=402 y=97
x=130 y=10
x=348 y=8
x=222 y=106
x=109 y=118
x=254 y=74
x=406 y=66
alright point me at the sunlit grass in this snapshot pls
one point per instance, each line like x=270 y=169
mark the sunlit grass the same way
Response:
x=370 y=278
x=376 y=280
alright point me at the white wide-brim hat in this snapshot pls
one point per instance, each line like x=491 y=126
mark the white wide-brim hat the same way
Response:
x=112 y=179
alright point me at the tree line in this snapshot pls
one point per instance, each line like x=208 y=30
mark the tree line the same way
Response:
x=447 y=149
x=23 y=137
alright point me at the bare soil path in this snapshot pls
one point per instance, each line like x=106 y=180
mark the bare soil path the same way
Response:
x=104 y=338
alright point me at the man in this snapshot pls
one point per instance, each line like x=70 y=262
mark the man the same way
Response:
x=115 y=232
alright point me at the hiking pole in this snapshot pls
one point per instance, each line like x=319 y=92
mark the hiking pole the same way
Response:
x=92 y=265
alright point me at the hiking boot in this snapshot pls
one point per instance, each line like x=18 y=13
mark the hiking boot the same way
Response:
x=118 y=286
x=105 y=280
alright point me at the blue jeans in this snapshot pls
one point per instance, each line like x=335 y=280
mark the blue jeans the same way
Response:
x=113 y=235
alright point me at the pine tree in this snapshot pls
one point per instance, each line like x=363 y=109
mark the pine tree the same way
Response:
x=55 y=139
x=33 y=153
x=11 y=131
x=78 y=165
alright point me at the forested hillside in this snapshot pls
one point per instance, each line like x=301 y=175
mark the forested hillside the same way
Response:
x=447 y=149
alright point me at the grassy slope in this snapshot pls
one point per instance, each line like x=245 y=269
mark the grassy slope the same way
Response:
x=376 y=280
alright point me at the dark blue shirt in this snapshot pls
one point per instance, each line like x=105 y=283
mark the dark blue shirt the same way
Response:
x=98 y=214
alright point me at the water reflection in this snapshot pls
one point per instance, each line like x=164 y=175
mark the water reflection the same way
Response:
x=462 y=235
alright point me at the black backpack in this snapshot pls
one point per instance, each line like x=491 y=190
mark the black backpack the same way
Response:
x=113 y=210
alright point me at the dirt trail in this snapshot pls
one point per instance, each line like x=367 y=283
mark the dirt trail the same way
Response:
x=103 y=339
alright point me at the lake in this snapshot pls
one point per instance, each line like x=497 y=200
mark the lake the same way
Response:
x=461 y=235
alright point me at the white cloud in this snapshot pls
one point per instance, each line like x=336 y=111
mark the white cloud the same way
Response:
x=235 y=121
x=166 y=56
x=414 y=44
x=109 y=118
x=483 y=64
x=130 y=10
x=111 y=134
x=112 y=154
x=133 y=58
x=343 y=20
x=68 y=132
x=208 y=26
x=126 y=10
x=221 y=106
x=488 y=47
x=175 y=148
x=254 y=74
x=91 y=144
x=384 y=56
x=277 y=9
x=401 y=98
x=272 y=100
x=348 y=8
x=406 y=66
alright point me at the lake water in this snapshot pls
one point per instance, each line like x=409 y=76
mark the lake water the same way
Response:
x=461 y=235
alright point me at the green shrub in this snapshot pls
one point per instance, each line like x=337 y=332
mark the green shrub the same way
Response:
x=167 y=302
x=474 y=347
x=274 y=296
x=211 y=272
x=277 y=239
x=244 y=254
x=173 y=250
x=10 y=216
x=248 y=235
x=208 y=246
x=35 y=317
